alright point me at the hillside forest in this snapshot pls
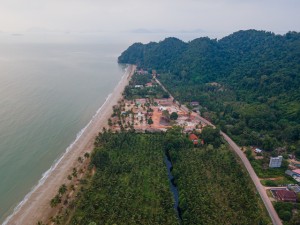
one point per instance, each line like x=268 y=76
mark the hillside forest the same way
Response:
x=247 y=83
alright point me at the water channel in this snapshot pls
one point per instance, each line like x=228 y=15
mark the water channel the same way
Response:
x=173 y=188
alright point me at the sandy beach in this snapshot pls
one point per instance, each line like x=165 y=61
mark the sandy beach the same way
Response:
x=37 y=206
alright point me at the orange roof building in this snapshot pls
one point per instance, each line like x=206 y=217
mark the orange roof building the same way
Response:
x=194 y=139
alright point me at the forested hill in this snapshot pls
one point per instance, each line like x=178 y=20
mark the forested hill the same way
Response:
x=248 y=82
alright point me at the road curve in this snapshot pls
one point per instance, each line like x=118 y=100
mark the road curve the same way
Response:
x=261 y=190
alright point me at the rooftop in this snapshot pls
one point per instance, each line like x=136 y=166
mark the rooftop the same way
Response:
x=193 y=137
x=297 y=171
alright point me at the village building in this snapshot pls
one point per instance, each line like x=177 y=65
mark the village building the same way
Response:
x=296 y=172
x=149 y=84
x=294 y=187
x=140 y=115
x=139 y=86
x=257 y=150
x=194 y=104
x=285 y=195
x=291 y=173
x=161 y=108
x=275 y=162
x=194 y=139
x=142 y=72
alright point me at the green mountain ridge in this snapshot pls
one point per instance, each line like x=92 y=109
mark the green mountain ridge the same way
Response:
x=257 y=96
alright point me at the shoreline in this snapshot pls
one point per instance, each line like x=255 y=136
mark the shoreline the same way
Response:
x=35 y=205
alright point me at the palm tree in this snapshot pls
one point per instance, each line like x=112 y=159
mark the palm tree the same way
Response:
x=55 y=201
x=72 y=187
x=62 y=189
x=74 y=172
x=86 y=155
x=80 y=159
x=40 y=223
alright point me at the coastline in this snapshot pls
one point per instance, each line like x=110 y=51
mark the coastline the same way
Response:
x=35 y=205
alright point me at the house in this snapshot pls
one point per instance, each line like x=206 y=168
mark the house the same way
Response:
x=275 y=162
x=142 y=72
x=149 y=84
x=297 y=172
x=294 y=187
x=161 y=108
x=257 y=150
x=285 y=195
x=194 y=104
x=291 y=156
x=194 y=139
x=291 y=173
x=140 y=115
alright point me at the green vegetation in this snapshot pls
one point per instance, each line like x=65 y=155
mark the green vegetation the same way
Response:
x=261 y=166
x=130 y=185
x=141 y=90
x=280 y=181
x=211 y=136
x=214 y=188
x=285 y=212
x=248 y=83
x=174 y=116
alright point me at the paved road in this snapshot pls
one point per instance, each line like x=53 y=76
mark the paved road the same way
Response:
x=256 y=181
x=260 y=188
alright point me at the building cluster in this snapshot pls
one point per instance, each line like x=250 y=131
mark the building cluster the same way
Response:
x=152 y=115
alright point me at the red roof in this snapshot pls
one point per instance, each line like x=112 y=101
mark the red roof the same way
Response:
x=285 y=195
x=193 y=137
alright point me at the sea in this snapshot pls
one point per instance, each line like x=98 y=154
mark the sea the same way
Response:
x=51 y=85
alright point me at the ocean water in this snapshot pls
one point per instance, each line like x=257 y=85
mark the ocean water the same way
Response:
x=48 y=93
x=51 y=85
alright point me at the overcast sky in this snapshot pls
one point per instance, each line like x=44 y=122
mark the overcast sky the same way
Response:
x=225 y=16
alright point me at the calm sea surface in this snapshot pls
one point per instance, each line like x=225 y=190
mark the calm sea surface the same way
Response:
x=48 y=93
x=50 y=87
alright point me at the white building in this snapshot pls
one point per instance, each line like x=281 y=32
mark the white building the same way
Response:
x=275 y=162
x=257 y=150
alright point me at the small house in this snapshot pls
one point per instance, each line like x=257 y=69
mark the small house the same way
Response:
x=257 y=150
x=297 y=171
x=142 y=72
x=194 y=139
x=161 y=108
x=138 y=86
x=149 y=84
x=194 y=104
x=291 y=173
x=294 y=187
x=286 y=196
x=140 y=115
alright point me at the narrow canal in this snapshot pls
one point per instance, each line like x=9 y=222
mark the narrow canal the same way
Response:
x=173 y=188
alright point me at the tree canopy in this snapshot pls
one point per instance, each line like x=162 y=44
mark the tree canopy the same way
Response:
x=248 y=83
